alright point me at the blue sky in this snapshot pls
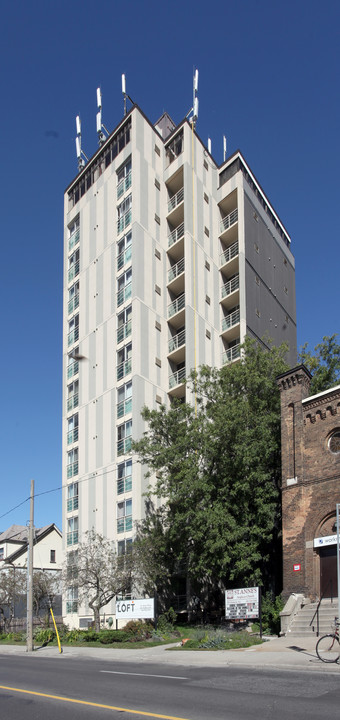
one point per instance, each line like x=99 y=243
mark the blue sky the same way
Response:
x=268 y=79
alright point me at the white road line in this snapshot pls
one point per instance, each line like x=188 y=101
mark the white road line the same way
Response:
x=169 y=677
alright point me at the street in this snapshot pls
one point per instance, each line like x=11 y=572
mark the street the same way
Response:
x=91 y=688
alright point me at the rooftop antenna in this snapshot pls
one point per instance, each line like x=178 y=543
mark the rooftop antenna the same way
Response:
x=194 y=109
x=80 y=153
x=224 y=148
x=100 y=126
x=209 y=146
x=124 y=92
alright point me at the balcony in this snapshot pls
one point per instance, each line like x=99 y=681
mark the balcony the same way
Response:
x=228 y=221
x=124 y=368
x=73 y=271
x=124 y=407
x=124 y=221
x=123 y=185
x=72 y=401
x=176 y=277
x=72 y=537
x=175 y=200
x=124 y=524
x=74 y=239
x=72 y=504
x=229 y=292
x=231 y=354
x=124 y=294
x=72 y=436
x=72 y=469
x=72 y=369
x=124 y=257
x=176 y=207
x=176 y=347
x=124 y=331
x=124 y=445
x=230 y=325
x=176 y=378
x=73 y=303
x=124 y=484
x=176 y=311
x=229 y=259
x=176 y=235
x=73 y=336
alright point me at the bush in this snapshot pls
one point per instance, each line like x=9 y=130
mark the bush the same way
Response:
x=271 y=608
x=73 y=635
x=138 y=630
x=44 y=636
x=166 y=621
x=89 y=636
x=107 y=637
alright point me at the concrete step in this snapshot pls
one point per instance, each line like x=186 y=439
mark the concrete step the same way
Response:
x=300 y=626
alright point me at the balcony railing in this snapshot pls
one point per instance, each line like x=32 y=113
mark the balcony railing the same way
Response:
x=72 y=369
x=74 y=239
x=124 y=407
x=72 y=436
x=177 y=341
x=124 y=484
x=124 y=221
x=230 y=320
x=177 y=378
x=124 y=294
x=231 y=354
x=72 y=537
x=124 y=331
x=73 y=336
x=72 y=504
x=229 y=253
x=73 y=303
x=176 y=270
x=123 y=369
x=176 y=305
x=72 y=401
x=176 y=234
x=124 y=257
x=124 y=524
x=230 y=286
x=229 y=220
x=71 y=606
x=123 y=185
x=175 y=200
x=124 y=445
x=73 y=271
x=72 y=469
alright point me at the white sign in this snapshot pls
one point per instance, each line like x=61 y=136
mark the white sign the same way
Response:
x=327 y=540
x=242 y=603
x=138 y=609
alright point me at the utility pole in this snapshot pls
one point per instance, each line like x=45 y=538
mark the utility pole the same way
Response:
x=30 y=574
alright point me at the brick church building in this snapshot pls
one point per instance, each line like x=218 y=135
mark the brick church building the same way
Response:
x=310 y=433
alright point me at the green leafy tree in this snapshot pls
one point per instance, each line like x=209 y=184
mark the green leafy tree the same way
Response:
x=217 y=474
x=323 y=363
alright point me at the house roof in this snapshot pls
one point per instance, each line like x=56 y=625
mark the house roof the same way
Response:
x=18 y=535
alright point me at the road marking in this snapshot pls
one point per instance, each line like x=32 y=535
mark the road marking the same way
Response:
x=117 y=672
x=93 y=704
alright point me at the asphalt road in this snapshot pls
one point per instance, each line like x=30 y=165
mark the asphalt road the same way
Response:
x=79 y=688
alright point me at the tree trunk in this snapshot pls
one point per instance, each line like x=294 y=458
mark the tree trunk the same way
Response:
x=96 y=613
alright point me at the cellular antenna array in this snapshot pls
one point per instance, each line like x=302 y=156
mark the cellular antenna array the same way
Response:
x=125 y=95
x=194 y=110
x=80 y=153
x=100 y=126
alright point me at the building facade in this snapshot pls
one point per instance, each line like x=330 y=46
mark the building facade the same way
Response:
x=169 y=262
x=310 y=430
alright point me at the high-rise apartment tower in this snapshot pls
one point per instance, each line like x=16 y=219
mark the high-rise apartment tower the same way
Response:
x=169 y=262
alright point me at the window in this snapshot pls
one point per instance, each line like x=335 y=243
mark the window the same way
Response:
x=124 y=285
x=72 y=599
x=73 y=297
x=73 y=265
x=123 y=178
x=124 y=516
x=72 y=497
x=72 y=531
x=334 y=442
x=124 y=399
x=73 y=234
x=124 y=250
x=72 y=463
x=73 y=330
x=124 y=361
x=72 y=395
x=174 y=148
x=124 y=437
x=72 y=364
x=2 y=553
x=124 y=324
x=52 y=556
x=72 y=429
x=124 y=214
x=124 y=477
x=72 y=564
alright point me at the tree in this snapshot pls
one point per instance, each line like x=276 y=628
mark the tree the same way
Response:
x=45 y=589
x=98 y=573
x=324 y=363
x=218 y=473
x=12 y=587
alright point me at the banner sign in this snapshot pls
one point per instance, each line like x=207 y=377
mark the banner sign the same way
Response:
x=326 y=540
x=242 y=604
x=137 y=609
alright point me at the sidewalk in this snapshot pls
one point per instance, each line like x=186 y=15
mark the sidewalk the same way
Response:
x=277 y=653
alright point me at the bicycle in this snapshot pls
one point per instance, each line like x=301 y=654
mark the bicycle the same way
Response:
x=327 y=647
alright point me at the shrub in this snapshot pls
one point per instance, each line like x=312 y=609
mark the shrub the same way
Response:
x=138 y=630
x=271 y=608
x=89 y=636
x=107 y=637
x=44 y=636
x=166 y=621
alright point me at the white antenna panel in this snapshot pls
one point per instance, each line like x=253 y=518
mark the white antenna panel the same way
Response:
x=123 y=85
x=78 y=147
x=99 y=121
x=196 y=81
x=78 y=127
x=209 y=145
x=224 y=143
x=196 y=107
x=99 y=98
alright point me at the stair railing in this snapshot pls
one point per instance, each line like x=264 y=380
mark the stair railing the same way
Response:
x=330 y=583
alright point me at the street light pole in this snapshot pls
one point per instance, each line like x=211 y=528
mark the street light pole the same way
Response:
x=30 y=574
